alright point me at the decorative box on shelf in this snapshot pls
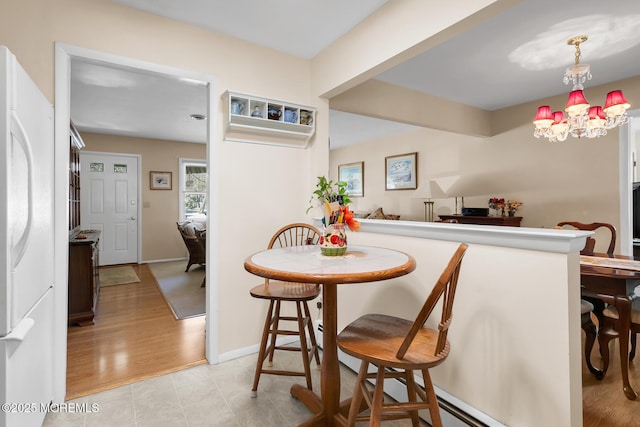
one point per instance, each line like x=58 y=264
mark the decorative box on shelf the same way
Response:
x=258 y=120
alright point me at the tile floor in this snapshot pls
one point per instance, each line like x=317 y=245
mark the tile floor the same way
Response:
x=205 y=395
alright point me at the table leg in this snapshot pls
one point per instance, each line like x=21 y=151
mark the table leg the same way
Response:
x=624 y=312
x=327 y=406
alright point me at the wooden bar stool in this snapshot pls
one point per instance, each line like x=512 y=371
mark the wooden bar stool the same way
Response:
x=278 y=292
x=398 y=347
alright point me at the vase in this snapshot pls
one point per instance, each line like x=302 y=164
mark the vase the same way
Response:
x=512 y=213
x=333 y=241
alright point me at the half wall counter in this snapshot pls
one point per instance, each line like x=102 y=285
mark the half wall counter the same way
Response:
x=504 y=354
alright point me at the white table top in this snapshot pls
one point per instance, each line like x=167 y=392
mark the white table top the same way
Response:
x=307 y=264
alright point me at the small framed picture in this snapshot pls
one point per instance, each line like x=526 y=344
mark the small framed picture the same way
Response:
x=160 y=180
x=401 y=172
x=353 y=175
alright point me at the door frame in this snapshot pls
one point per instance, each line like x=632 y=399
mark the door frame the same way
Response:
x=626 y=140
x=138 y=158
x=62 y=117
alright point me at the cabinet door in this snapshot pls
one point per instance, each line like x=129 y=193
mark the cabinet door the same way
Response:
x=81 y=283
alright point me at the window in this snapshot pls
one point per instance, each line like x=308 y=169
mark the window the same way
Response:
x=193 y=189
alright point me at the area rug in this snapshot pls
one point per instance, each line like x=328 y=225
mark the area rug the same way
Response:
x=181 y=290
x=110 y=276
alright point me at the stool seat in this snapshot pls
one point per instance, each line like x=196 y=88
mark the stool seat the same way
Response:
x=378 y=337
x=286 y=291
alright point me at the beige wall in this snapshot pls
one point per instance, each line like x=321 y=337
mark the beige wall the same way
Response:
x=249 y=179
x=160 y=209
x=573 y=180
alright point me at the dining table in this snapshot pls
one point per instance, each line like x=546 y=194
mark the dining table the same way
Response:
x=306 y=264
x=611 y=279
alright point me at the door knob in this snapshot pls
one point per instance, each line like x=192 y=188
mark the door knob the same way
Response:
x=133 y=218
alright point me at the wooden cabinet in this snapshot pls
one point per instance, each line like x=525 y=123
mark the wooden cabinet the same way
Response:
x=84 y=280
x=511 y=221
x=266 y=121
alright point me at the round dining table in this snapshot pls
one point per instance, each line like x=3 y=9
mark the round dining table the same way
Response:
x=306 y=264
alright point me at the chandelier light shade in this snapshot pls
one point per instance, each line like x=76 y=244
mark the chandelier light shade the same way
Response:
x=582 y=119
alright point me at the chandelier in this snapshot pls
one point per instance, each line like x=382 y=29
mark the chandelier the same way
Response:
x=582 y=119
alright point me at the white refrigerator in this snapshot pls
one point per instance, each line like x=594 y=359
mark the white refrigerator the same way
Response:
x=26 y=247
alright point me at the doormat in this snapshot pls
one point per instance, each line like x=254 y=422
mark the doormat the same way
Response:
x=110 y=276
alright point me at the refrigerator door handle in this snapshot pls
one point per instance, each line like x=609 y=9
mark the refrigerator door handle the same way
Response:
x=18 y=249
x=20 y=331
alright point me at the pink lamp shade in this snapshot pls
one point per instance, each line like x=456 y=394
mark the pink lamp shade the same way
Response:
x=577 y=104
x=558 y=117
x=560 y=127
x=616 y=104
x=597 y=120
x=596 y=112
x=543 y=118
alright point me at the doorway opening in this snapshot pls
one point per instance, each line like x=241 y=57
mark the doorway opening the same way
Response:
x=65 y=55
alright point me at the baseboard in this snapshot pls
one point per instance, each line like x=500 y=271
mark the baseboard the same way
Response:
x=454 y=412
x=252 y=349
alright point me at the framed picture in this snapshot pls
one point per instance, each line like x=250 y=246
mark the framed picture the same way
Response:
x=160 y=180
x=401 y=172
x=353 y=175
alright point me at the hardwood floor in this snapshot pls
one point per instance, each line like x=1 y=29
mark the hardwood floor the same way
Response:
x=603 y=402
x=135 y=337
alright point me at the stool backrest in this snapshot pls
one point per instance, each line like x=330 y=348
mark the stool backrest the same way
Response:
x=297 y=234
x=445 y=289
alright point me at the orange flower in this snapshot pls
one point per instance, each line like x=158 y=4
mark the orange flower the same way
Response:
x=349 y=219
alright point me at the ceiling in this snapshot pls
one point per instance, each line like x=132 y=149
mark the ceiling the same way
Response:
x=516 y=57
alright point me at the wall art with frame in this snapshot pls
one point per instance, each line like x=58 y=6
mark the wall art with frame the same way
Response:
x=160 y=180
x=401 y=172
x=353 y=175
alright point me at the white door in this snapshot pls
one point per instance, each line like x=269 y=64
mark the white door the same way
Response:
x=109 y=203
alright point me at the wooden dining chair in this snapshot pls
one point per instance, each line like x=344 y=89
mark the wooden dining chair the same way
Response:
x=611 y=326
x=597 y=227
x=299 y=294
x=398 y=347
x=593 y=304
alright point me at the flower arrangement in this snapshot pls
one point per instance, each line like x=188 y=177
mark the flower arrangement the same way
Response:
x=334 y=200
x=512 y=206
x=496 y=203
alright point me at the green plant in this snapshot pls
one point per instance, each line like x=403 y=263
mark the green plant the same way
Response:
x=327 y=190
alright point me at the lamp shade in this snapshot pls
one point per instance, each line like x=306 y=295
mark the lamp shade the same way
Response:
x=577 y=104
x=596 y=113
x=425 y=189
x=558 y=117
x=543 y=118
x=442 y=187
x=616 y=103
